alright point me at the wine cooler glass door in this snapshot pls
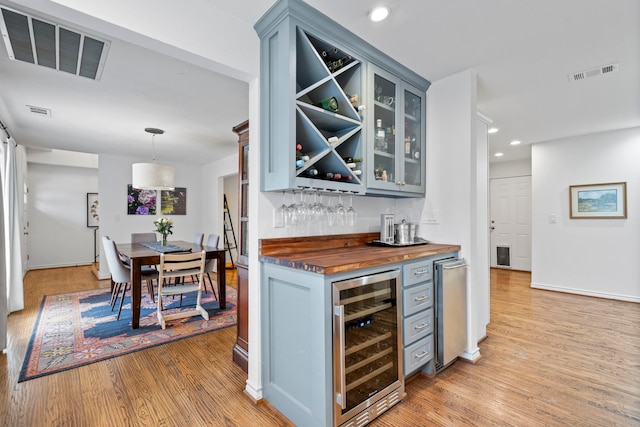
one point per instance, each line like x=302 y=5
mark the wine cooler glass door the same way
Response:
x=366 y=332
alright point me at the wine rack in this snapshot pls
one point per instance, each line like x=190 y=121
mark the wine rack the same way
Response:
x=328 y=121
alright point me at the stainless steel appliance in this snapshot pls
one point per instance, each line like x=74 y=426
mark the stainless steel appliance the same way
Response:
x=451 y=310
x=367 y=363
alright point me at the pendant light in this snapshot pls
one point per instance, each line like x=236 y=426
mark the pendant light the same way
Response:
x=151 y=176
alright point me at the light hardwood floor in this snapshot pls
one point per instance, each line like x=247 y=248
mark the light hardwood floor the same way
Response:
x=549 y=359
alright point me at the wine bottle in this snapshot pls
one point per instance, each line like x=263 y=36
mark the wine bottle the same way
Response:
x=329 y=104
x=356 y=172
x=347 y=159
x=414 y=147
x=299 y=147
x=311 y=172
x=351 y=165
x=379 y=139
x=407 y=146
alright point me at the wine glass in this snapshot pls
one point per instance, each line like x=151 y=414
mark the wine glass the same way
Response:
x=302 y=209
x=340 y=211
x=291 y=217
x=351 y=214
x=279 y=214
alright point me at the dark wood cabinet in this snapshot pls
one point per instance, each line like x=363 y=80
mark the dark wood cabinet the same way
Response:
x=241 y=348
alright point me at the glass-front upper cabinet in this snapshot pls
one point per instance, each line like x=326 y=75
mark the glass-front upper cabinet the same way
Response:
x=397 y=145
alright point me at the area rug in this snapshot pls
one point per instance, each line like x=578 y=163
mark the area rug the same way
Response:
x=79 y=328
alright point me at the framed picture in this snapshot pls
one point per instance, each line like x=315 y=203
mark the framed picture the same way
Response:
x=173 y=202
x=93 y=210
x=598 y=200
x=141 y=202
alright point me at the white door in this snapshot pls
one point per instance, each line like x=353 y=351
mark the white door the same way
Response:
x=511 y=223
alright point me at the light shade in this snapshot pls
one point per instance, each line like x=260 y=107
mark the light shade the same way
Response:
x=151 y=176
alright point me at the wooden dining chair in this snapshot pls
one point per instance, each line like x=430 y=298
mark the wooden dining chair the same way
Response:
x=176 y=265
x=121 y=275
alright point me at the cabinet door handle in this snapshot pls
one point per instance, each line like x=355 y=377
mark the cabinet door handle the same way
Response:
x=420 y=272
x=421 y=355
x=420 y=327
x=341 y=397
x=422 y=298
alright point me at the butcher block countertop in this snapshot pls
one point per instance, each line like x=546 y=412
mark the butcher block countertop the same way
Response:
x=341 y=252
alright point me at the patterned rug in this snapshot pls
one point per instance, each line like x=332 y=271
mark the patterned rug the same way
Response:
x=79 y=328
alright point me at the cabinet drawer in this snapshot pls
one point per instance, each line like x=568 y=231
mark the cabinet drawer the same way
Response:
x=418 y=354
x=417 y=272
x=417 y=298
x=418 y=326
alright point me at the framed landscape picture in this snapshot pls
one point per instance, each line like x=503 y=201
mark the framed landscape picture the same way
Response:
x=598 y=200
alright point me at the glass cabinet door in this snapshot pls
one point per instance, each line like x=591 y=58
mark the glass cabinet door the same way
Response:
x=413 y=144
x=384 y=131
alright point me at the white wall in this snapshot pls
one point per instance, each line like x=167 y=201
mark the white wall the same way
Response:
x=214 y=174
x=597 y=257
x=510 y=169
x=58 y=233
x=114 y=176
x=454 y=196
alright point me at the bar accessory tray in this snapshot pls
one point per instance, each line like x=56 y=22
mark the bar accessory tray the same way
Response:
x=418 y=241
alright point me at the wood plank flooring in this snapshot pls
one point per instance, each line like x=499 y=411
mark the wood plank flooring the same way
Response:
x=549 y=359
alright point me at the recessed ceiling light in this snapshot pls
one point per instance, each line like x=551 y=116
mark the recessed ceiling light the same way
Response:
x=499 y=154
x=516 y=142
x=379 y=13
x=493 y=130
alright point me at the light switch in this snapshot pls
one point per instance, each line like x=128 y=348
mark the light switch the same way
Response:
x=552 y=218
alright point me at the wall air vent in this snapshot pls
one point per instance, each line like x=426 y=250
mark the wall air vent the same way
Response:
x=582 y=75
x=39 y=111
x=50 y=45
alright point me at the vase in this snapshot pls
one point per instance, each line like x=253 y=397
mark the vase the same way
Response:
x=164 y=240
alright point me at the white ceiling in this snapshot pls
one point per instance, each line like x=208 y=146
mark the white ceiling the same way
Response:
x=186 y=70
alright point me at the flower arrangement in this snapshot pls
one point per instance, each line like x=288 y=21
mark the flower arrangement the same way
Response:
x=164 y=226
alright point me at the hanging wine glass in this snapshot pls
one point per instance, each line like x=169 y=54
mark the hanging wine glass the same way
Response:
x=279 y=214
x=302 y=209
x=341 y=211
x=291 y=217
x=331 y=213
x=352 y=214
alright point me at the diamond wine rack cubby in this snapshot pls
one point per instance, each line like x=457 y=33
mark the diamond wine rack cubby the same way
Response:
x=328 y=120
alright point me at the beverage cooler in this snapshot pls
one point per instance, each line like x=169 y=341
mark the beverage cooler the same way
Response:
x=367 y=335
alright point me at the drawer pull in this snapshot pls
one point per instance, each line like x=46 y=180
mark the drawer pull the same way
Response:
x=419 y=327
x=420 y=272
x=422 y=298
x=421 y=355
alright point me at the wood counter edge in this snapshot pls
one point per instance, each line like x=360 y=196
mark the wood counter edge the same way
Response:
x=389 y=258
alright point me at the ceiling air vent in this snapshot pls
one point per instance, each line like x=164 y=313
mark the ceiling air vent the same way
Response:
x=49 y=45
x=39 y=111
x=582 y=75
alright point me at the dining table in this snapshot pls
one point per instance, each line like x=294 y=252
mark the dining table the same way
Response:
x=137 y=255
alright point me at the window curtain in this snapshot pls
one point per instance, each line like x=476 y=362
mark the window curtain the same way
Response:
x=4 y=305
x=12 y=230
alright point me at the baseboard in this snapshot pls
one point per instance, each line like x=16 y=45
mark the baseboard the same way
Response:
x=471 y=357
x=253 y=393
x=585 y=292
x=44 y=267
